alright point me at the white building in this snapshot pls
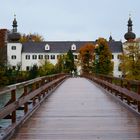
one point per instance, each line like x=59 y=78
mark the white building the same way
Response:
x=30 y=53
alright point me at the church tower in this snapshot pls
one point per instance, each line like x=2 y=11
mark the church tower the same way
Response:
x=130 y=36
x=14 y=47
x=14 y=36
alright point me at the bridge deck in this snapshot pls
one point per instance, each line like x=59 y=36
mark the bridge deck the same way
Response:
x=78 y=110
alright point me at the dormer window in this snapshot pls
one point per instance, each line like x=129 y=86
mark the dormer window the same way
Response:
x=73 y=47
x=47 y=47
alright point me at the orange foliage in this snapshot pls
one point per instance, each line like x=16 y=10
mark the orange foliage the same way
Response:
x=87 y=56
x=87 y=52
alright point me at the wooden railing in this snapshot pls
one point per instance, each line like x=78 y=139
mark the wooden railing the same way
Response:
x=126 y=90
x=25 y=97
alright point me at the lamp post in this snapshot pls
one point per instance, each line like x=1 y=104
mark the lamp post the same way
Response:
x=96 y=58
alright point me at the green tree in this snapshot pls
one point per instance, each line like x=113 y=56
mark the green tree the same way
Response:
x=3 y=78
x=69 y=62
x=130 y=65
x=59 y=67
x=46 y=68
x=33 y=72
x=103 y=56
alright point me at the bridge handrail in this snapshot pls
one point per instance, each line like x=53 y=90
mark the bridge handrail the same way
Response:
x=124 y=93
x=25 y=83
x=29 y=100
x=133 y=85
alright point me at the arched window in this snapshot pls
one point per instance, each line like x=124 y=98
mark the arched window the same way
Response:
x=47 y=47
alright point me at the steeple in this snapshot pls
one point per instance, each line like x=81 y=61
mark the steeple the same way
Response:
x=14 y=24
x=110 y=38
x=130 y=35
x=14 y=36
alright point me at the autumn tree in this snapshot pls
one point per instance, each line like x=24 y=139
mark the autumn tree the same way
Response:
x=86 y=57
x=103 y=56
x=31 y=37
x=130 y=65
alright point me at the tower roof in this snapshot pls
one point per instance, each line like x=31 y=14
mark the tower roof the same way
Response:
x=14 y=22
x=14 y=36
x=130 y=35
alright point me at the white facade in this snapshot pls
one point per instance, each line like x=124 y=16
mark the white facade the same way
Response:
x=116 y=60
x=30 y=59
x=27 y=60
x=14 y=52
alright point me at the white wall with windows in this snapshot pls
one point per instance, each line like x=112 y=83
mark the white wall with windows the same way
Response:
x=116 y=61
x=27 y=60
x=30 y=59
x=14 y=51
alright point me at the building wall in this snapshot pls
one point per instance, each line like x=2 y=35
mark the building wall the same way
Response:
x=11 y=61
x=30 y=62
x=116 y=60
x=26 y=59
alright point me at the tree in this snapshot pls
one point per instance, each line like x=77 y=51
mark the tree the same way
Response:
x=103 y=56
x=86 y=57
x=46 y=68
x=31 y=37
x=130 y=65
x=33 y=72
x=69 y=62
x=59 y=67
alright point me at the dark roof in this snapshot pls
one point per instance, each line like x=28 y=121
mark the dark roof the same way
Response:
x=63 y=46
x=115 y=46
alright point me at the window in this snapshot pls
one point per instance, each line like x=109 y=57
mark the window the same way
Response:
x=27 y=56
x=47 y=47
x=73 y=47
x=13 y=47
x=46 y=56
x=14 y=67
x=13 y=57
x=52 y=56
x=119 y=68
x=112 y=56
x=75 y=57
x=34 y=56
x=40 y=57
x=27 y=68
x=119 y=56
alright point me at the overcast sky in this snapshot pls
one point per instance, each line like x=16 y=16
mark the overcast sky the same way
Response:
x=71 y=19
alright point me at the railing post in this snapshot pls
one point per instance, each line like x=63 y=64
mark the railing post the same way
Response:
x=128 y=85
x=34 y=88
x=13 y=99
x=139 y=101
x=26 y=104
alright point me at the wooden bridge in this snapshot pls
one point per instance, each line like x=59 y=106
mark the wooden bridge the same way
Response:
x=79 y=109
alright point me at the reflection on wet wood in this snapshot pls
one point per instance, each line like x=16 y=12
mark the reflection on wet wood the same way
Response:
x=78 y=110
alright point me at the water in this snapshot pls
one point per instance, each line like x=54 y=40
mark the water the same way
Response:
x=4 y=98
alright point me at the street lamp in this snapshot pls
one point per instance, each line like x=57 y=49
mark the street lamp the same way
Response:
x=96 y=58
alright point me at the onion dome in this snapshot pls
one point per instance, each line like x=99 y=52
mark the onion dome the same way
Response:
x=14 y=36
x=130 y=35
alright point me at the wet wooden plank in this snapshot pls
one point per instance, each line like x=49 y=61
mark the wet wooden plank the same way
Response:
x=78 y=110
